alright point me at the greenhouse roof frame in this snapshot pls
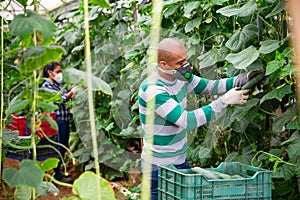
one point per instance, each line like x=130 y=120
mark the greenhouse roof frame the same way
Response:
x=10 y=8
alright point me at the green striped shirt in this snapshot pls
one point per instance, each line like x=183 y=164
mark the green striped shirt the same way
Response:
x=171 y=119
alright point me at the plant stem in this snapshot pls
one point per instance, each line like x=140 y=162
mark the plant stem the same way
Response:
x=58 y=182
x=271 y=155
x=90 y=93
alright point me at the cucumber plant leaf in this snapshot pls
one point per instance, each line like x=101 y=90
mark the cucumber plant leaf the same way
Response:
x=39 y=56
x=170 y=10
x=75 y=75
x=22 y=177
x=239 y=38
x=288 y=70
x=17 y=106
x=190 y=6
x=283 y=119
x=48 y=164
x=294 y=124
x=268 y=46
x=234 y=10
x=88 y=184
x=277 y=93
x=273 y=66
x=212 y=57
x=242 y=110
x=47 y=107
x=24 y=25
x=284 y=171
x=193 y=23
x=278 y=8
x=244 y=58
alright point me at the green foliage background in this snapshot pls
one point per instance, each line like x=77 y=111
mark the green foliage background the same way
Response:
x=223 y=38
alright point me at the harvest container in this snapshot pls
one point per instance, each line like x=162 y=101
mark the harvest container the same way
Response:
x=185 y=184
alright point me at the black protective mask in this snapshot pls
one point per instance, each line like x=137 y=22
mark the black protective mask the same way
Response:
x=184 y=72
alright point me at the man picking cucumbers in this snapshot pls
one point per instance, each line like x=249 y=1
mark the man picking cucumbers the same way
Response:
x=168 y=86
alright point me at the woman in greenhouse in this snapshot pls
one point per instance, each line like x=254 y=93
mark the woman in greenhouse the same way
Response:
x=53 y=74
x=165 y=141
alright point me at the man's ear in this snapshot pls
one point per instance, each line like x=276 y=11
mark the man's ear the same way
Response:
x=162 y=63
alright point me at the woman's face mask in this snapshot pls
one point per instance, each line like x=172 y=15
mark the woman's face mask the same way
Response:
x=58 y=77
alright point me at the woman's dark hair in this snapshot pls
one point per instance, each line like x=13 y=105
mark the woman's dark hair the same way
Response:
x=50 y=67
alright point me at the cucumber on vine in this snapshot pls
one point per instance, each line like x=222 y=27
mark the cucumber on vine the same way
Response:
x=253 y=81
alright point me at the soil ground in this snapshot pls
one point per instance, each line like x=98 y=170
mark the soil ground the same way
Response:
x=117 y=186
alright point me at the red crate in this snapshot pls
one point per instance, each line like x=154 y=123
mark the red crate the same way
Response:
x=19 y=123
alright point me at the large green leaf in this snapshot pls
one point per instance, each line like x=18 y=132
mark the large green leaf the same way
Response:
x=294 y=149
x=47 y=107
x=240 y=38
x=75 y=75
x=283 y=119
x=288 y=70
x=24 y=25
x=294 y=124
x=242 y=110
x=284 y=171
x=277 y=93
x=268 y=46
x=121 y=28
x=39 y=56
x=278 y=8
x=193 y=23
x=294 y=145
x=9 y=135
x=212 y=57
x=190 y=6
x=72 y=36
x=170 y=10
x=273 y=66
x=29 y=175
x=17 y=106
x=89 y=186
x=244 y=58
x=47 y=95
x=243 y=11
x=48 y=164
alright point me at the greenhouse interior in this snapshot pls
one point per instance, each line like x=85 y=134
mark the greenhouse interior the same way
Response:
x=141 y=99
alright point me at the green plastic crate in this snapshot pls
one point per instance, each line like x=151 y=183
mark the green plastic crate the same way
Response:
x=185 y=184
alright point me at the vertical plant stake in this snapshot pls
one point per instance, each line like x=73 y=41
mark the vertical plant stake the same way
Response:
x=152 y=54
x=2 y=83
